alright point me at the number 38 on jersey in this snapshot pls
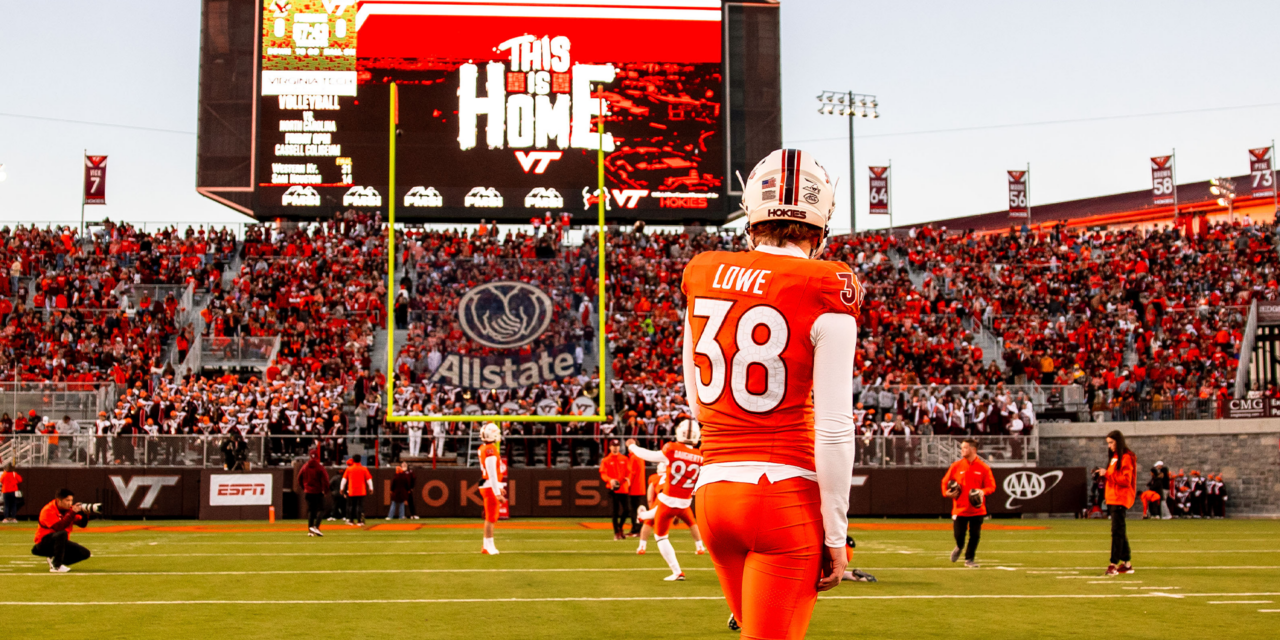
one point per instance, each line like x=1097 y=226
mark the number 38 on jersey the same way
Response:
x=749 y=323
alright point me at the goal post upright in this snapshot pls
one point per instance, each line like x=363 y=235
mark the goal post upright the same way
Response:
x=601 y=414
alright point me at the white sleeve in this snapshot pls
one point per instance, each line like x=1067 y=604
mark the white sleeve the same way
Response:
x=690 y=388
x=648 y=455
x=343 y=485
x=491 y=466
x=835 y=338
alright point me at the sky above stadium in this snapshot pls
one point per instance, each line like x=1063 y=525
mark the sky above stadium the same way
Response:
x=1085 y=91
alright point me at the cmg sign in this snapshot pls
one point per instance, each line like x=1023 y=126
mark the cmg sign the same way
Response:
x=239 y=490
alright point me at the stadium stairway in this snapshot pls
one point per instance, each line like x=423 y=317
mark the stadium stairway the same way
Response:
x=992 y=349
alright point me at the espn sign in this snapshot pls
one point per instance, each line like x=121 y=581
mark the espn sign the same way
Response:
x=240 y=490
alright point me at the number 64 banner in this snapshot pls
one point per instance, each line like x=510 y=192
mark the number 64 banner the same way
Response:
x=1018 y=195
x=879 y=190
x=95 y=179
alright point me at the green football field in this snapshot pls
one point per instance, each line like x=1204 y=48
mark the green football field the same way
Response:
x=569 y=579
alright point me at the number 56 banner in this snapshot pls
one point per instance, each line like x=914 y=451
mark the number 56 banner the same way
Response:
x=1018 y=195
x=95 y=179
x=1162 y=180
x=879 y=190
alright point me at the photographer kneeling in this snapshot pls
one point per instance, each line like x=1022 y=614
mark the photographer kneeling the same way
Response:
x=53 y=536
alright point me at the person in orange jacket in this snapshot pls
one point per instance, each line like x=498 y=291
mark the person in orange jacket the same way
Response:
x=615 y=471
x=636 y=489
x=968 y=483
x=357 y=482
x=1122 y=485
x=53 y=532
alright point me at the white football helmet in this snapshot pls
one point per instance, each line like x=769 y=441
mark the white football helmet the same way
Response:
x=662 y=468
x=490 y=432
x=687 y=432
x=789 y=184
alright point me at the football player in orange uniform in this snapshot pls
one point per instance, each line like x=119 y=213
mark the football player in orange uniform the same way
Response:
x=494 y=489
x=657 y=484
x=684 y=463
x=769 y=347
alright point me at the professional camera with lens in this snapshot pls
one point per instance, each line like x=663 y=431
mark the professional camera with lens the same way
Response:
x=90 y=508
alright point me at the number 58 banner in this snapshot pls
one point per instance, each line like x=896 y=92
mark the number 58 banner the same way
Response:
x=879 y=190
x=1018 y=195
x=1162 y=180
x=1261 y=174
x=95 y=179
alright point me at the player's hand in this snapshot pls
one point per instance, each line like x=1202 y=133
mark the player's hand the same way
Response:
x=630 y=441
x=833 y=567
x=502 y=494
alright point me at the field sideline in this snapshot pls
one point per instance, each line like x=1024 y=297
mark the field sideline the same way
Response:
x=569 y=579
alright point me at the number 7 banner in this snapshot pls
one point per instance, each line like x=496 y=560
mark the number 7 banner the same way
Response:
x=1018 y=195
x=95 y=179
x=1260 y=172
x=879 y=190
x=1162 y=180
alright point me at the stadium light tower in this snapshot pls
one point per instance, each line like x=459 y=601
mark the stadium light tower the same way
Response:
x=849 y=105
x=1225 y=189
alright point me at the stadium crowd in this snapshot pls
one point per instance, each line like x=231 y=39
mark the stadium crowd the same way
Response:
x=1126 y=315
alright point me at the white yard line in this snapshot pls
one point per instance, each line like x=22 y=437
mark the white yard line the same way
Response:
x=1016 y=596
x=1239 y=602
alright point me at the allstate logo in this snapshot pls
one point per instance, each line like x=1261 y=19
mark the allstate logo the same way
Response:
x=504 y=315
x=1026 y=485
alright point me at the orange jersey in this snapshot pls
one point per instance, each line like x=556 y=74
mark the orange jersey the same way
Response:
x=659 y=483
x=750 y=315
x=684 y=463
x=491 y=451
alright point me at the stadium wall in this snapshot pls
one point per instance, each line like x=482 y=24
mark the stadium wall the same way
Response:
x=210 y=494
x=1245 y=452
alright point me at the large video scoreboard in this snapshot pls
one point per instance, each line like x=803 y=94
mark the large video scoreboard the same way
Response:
x=499 y=108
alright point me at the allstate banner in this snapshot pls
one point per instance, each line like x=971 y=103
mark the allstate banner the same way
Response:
x=506 y=371
x=95 y=179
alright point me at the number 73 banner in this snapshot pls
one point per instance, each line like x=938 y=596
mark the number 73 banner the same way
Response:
x=95 y=179
x=1261 y=174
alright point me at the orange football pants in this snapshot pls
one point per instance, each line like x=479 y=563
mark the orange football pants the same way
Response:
x=766 y=542
x=490 y=505
x=665 y=516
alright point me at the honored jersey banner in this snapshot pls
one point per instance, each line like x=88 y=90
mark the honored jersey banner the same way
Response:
x=879 y=190
x=95 y=179
x=1162 y=180
x=499 y=107
x=1261 y=175
x=1018 y=195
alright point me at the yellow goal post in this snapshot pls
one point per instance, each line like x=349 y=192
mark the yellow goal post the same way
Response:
x=600 y=415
